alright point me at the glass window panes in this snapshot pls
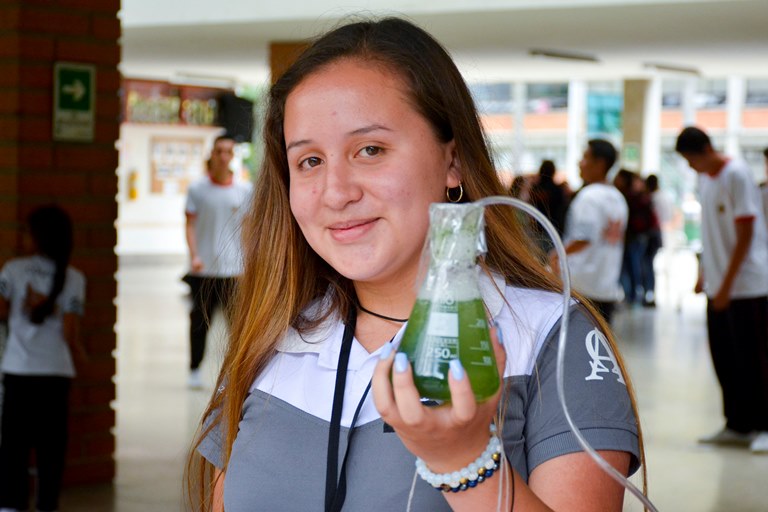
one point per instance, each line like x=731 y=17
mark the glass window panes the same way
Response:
x=757 y=92
x=672 y=94
x=546 y=97
x=754 y=157
x=492 y=98
x=710 y=94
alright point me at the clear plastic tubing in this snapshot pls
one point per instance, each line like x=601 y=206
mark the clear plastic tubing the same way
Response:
x=566 y=279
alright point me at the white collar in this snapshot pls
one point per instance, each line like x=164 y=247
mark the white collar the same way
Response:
x=491 y=289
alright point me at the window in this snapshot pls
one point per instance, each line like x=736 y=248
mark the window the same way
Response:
x=546 y=97
x=757 y=92
x=672 y=94
x=493 y=98
x=710 y=94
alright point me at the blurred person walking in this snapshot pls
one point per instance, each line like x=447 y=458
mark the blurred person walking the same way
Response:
x=662 y=211
x=214 y=210
x=594 y=230
x=641 y=225
x=42 y=298
x=549 y=197
x=734 y=276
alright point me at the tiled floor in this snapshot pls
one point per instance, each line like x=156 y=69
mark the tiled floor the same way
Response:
x=665 y=349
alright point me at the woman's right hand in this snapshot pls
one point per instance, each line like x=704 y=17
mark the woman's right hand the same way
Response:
x=447 y=437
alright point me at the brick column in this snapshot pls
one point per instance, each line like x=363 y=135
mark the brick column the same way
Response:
x=35 y=169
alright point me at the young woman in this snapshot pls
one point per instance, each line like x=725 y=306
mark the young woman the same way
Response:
x=42 y=298
x=371 y=125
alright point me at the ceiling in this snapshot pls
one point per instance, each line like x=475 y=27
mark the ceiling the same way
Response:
x=490 y=39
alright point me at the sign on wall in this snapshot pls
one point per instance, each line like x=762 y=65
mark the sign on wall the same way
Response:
x=155 y=102
x=74 y=92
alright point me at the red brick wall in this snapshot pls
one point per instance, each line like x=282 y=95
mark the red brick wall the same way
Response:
x=34 y=34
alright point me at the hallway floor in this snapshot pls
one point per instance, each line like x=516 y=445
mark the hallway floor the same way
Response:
x=665 y=349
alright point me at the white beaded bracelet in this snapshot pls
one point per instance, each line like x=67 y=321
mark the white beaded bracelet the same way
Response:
x=476 y=472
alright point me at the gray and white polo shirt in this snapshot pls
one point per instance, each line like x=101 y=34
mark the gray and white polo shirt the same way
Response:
x=279 y=457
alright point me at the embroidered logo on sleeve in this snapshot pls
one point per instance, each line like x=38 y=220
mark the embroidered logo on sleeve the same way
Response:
x=600 y=351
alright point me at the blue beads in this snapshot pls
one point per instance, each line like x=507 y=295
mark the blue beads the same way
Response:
x=464 y=483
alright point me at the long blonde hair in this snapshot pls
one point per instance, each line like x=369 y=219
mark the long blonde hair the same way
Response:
x=283 y=275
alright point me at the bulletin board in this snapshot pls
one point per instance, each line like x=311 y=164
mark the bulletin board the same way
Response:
x=174 y=164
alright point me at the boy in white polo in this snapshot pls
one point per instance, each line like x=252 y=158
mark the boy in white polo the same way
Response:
x=734 y=275
x=594 y=230
x=214 y=209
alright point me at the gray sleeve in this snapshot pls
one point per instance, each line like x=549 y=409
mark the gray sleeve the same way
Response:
x=596 y=396
x=211 y=447
x=190 y=206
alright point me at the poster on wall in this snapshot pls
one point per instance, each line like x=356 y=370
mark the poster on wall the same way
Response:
x=174 y=164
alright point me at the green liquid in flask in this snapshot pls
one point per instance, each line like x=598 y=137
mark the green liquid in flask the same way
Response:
x=438 y=332
x=448 y=320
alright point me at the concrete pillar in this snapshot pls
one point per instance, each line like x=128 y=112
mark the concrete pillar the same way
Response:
x=641 y=144
x=520 y=98
x=79 y=175
x=577 y=126
x=689 y=101
x=735 y=96
x=651 y=155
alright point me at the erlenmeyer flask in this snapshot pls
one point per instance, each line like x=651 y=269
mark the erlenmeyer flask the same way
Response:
x=448 y=320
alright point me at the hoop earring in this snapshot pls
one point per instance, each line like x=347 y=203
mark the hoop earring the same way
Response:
x=448 y=193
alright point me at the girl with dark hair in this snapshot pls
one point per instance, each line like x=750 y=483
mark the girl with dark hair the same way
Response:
x=369 y=126
x=42 y=298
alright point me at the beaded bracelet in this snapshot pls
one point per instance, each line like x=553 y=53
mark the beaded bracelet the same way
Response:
x=476 y=472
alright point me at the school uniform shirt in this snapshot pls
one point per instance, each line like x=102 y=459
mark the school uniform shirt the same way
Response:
x=278 y=459
x=729 y=197
x=38 y=349
x=597 y=215
x=218 y=211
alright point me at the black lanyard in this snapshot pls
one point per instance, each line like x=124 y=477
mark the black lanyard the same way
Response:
x=336 y=490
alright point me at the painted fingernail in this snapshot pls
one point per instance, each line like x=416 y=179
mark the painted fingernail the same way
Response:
x=386 y=350
x=401 y=362
x=457 y=371
x=499 y=336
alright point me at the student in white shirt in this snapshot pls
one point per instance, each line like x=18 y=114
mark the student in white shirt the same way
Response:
x=214 y=210
x=594 y=230
x=734 y=276
x=42 y=297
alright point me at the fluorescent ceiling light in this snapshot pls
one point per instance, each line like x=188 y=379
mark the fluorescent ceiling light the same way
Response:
x=672 y=67
x=559 y=54
x=224 y=82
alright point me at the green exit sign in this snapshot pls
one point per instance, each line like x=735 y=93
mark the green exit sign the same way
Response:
x=73 y=101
